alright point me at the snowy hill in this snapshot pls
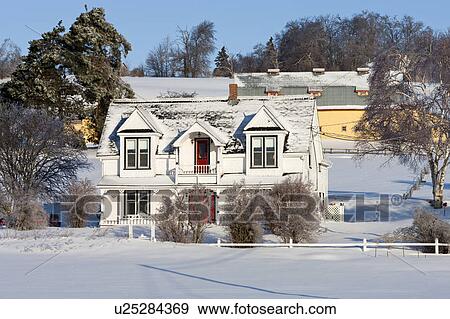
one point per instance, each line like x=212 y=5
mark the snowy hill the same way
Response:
x=149 y=88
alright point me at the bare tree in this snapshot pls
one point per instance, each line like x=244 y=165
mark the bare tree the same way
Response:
x=9 y=58
x=408 y=112
x=38 y=154
x=195 y=48
x=162 y=61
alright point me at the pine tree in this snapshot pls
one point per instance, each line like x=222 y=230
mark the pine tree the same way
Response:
x=95 y=49
x=42 y=79
x=64 y=72
x=223 y=64
x=270 y=55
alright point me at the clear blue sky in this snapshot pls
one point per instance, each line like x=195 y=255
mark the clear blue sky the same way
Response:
x=240 y=24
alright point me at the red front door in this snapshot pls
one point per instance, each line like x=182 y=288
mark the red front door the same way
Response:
x=202 y=155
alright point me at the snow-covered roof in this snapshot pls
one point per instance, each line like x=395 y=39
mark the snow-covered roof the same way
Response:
x=151 y=88
x=228 y=121
x=218 y=137
x=303 y=79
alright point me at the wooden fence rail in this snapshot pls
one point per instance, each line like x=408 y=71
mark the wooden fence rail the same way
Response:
x=353 y=151
x=364 y=245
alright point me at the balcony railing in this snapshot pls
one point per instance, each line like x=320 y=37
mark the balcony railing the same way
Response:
x=197 y=170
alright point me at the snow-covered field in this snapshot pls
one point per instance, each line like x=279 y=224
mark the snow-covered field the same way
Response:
x=150 y=88
x=94 y=264
x=104 y=263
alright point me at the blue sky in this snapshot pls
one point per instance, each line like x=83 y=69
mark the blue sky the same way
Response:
x=239 y=24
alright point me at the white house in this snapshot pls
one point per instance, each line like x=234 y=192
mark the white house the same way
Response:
x=159 y=147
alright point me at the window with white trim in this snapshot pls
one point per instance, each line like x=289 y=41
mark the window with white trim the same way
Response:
x=263 y=151
x=137 y=153
x=137 y=203
x=143 y=144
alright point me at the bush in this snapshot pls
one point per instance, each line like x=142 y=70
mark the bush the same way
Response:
x=426 y=228
x=296 y=211
x=177 y=222
x=175 y=94
x=245 y=233
x=297 y=228
x=80 y=192
x=28 y=215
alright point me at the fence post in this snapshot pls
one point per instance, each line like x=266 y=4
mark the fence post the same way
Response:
x=130 y=231
x=364 y=248
x=290 y=243
x=218 y=242
x=436 y=246
x=152 y=231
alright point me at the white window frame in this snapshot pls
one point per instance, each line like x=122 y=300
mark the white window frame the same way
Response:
x=253 y=138
x=139 y=140
x=274 y=150
x=263 y=139
x=127 y=165
x=137 y=152
x=137 y=203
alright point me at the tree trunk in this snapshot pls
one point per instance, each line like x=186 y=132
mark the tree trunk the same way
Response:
x=438 y=180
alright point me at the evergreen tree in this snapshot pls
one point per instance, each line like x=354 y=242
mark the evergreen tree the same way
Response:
x=223 y=64
x=66 y=72
x=270 y=59
x=42 y=79
x=95 y=48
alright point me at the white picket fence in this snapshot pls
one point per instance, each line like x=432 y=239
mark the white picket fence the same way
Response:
x=364 y=245
x=126 y=221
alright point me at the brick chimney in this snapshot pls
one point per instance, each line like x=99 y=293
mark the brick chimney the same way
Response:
x=318 y=71
x=232 y=92
x=362 y=71
x=273 y=71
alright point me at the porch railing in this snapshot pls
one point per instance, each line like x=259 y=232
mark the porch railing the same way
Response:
x=138 y=220
x=197 y=170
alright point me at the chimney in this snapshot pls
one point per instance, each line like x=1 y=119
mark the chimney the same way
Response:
x=362 y=71
x=232 y=92
x=273 y=71
x=318 y=71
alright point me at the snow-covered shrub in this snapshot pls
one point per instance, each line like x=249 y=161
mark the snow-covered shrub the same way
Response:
x=28 y=215
x=175 y=94
x=244 y=210
x=426 y=228
x=81 y=193
x=183 y=218
x=245 y=232
x=295 y=211
x=171 y=221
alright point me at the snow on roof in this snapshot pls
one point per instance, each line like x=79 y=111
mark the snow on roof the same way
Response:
x=151 y=88
x=218 y=137
x=178 y=115
x=303 y=79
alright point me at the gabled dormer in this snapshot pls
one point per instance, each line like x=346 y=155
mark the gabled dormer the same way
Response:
x=265 y=136
x=198 y=151
x=139 y=136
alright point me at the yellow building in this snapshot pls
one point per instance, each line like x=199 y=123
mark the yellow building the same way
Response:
x=341 y=96
x=339 y=123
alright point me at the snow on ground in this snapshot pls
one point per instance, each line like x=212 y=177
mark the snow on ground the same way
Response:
x=150 y=88
x=89 y=264
x=104 y=263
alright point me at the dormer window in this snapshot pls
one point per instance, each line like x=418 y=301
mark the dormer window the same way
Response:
x=264 y=151
x=137 y=153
